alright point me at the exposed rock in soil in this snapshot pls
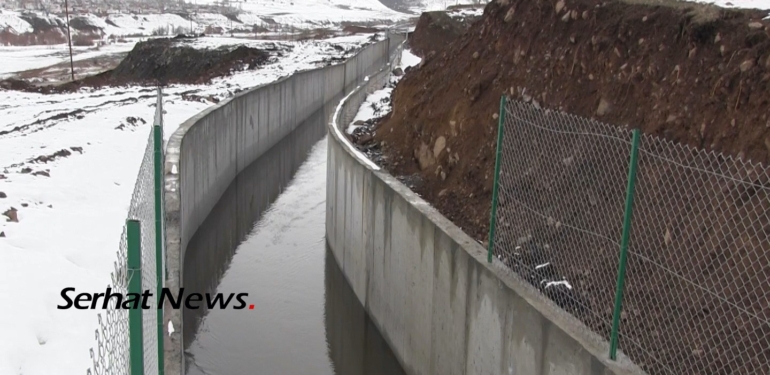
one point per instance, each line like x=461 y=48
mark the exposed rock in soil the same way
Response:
x=692 y=74
x=639 y=65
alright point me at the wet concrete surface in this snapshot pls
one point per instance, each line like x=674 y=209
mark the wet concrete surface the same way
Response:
x=266 y=237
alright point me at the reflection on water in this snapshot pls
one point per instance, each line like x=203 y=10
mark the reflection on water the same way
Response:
x=212 y=247
x=355 y=345
x=266 y=238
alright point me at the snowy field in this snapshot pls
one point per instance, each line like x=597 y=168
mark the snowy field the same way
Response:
x=377 y=104
x=298 y=14
x=69 y=224
x=17 y=59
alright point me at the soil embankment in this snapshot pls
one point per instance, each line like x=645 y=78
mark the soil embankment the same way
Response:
x=692 y=74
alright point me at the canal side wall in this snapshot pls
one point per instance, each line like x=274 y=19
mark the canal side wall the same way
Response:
x=206 y=153
x=428 y=287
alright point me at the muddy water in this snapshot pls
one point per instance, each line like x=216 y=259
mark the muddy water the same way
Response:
x=266 y=238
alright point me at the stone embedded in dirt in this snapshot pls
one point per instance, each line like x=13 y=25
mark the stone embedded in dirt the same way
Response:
x=559 y=6
x=495 y=116
x=476 y=55
x=439 y=146
x=755 y=25
x=503 y=2
x=398 y=72
x=442 y=193
x=603 y=108
x=746 y=65
x=12 y=215
x=424 y=156
x=364 y=139
x=359 y=123
x=3 y=195
x=509 y=15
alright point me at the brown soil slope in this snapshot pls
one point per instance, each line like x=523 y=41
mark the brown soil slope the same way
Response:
x=434 y=30
x=693 y=74
x=696 y=75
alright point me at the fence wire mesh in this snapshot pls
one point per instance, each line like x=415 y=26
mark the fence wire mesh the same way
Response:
x=696 y=298
x=111 y=355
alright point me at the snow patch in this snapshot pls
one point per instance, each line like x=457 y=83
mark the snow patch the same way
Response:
x=70 y=223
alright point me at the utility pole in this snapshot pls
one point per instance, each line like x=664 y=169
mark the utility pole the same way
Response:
x=69 y=39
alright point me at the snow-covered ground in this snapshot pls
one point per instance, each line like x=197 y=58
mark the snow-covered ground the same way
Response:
x=746 y=4
x=378 y=104
x=17 y=59
x=270 y=14
x=428 y=5
x=69 y=224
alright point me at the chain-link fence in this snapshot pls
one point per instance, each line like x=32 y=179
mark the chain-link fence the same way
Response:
x=659 y=248
x=129 y=340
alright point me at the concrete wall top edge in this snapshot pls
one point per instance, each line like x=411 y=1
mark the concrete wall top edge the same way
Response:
x=593 y=343
x=207 y=149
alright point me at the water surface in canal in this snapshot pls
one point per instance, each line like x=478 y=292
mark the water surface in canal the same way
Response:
x=266 y=238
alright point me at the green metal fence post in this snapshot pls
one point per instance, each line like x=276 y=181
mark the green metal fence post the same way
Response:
x=624 y=244
x=134 y=274
x=159 y=258
x=498 y=156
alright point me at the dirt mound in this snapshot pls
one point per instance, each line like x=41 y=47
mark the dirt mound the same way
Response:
x=697 y=75
x=161 y=61
x=84 y=25
x=165 y=61
x=354 y=29
x=433 y=30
